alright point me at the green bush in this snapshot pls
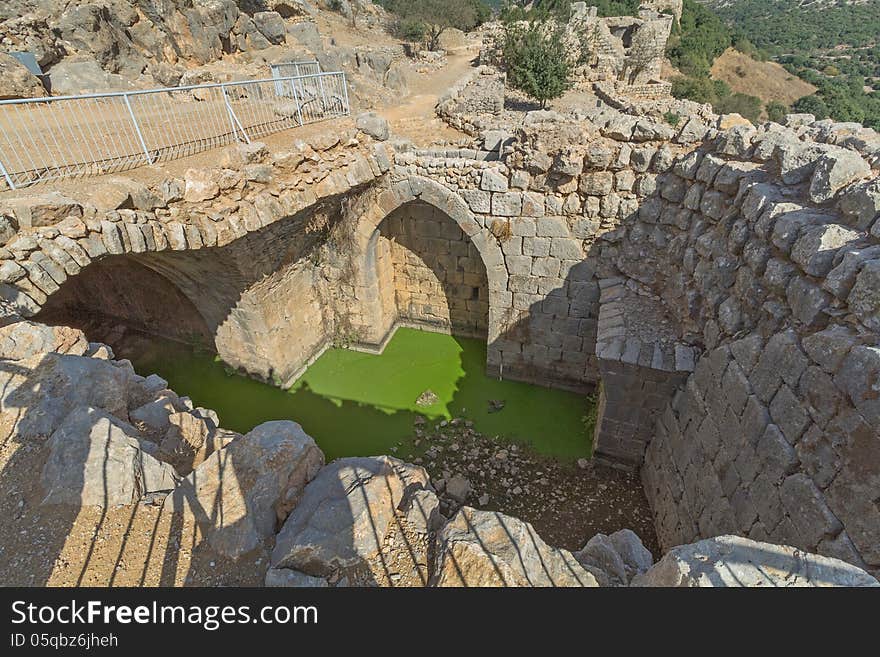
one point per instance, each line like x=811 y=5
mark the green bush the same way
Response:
x=747 y=106
x=435 y=16
x=537 y=61
x=777 y=111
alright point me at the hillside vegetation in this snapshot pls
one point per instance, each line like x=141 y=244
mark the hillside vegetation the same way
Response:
x=834 y=46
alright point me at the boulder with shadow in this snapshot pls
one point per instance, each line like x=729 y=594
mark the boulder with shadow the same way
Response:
x=96 y=459
x=615 y=559
x=362 y=521
x=488 y=548
x=40 y=391
x=734 y=561
x=242 y=493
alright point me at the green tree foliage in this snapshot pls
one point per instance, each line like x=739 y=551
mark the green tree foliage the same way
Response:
x=786 y=26
x=777 y=111
x=701 y=38
x=743 y=104
x=537 y=61
x=435 y=16
x=834 y=48
x=516 y=10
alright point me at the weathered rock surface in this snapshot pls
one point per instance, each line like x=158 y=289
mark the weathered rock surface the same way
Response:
x=24 y=339
x=97 y=460
x=615 y=559
x=732 y=561
x=373 y=125
x=242 y=492
x=43 y=389
x=341 y=523
x=16 y=81
x=486 y=548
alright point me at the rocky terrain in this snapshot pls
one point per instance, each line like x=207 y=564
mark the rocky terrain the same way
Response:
x=715 y=279
x=122 y=44
x=264 y=505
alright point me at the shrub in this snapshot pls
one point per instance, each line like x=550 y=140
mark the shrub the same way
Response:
x=537 y=61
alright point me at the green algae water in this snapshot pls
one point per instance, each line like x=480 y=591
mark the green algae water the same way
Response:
x=363 y=404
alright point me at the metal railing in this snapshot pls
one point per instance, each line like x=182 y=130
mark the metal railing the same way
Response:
x=45 y=139
x=295 y=69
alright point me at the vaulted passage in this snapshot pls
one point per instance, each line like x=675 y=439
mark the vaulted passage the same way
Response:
x=122 y=290
x=430 y=273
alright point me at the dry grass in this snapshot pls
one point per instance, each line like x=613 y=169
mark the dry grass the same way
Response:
x=766 y=80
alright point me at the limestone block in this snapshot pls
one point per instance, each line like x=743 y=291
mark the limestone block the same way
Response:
x=507 y=204
x=493 y=181
x=552 y=227
x=835 y=170
x=483 y=548
x=733 y=561
x=97 y=460
x=817 y=247
x=864 y=298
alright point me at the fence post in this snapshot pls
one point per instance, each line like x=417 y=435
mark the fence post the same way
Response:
x=137 y=129
x=345 y=91
x=323 y=95
x=296 y=100
x=6 y=176
x=233 y=119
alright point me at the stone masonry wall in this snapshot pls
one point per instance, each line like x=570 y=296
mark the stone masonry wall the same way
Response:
x=561 y=186
x=437 y=275
x=763 y=244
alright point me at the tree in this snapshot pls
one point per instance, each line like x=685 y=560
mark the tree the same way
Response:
x=537 y=60
x=436 y=16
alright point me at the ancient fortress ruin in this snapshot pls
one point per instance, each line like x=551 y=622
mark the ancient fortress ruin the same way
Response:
x=625 y=53
x=718 y=284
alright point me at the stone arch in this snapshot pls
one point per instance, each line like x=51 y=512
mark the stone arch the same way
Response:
x=397 y=195
x=136 y=291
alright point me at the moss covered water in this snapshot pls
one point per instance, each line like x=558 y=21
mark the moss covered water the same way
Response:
x=362 y=404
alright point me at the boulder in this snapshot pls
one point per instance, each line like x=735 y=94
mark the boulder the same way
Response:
x=373 y=125
x=118 y=193
x=487 y=548
x=16 y=81
x=39 y=210
x=201 y=185
x=458 y=488
x=618 y=557
x=40 y=391
x=341 y=523
x=155 y=414
x=240 y=154
x=271 y=25
x=241 y=493
x=284 y=578
x=83 y=75
x=25 y=339
x=96 y=459
x=291 y=8
x=834 y=171
x=191 y=437
x=733 y=561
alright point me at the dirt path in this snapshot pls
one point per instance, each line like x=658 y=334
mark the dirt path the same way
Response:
x=414 y=118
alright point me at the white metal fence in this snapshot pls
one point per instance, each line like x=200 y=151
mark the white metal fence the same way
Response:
x=58 y=137
x=294 y=69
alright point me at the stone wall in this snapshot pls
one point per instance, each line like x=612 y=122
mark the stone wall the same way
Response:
x=474 y=100
x=437 y=275
x=762 y=244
